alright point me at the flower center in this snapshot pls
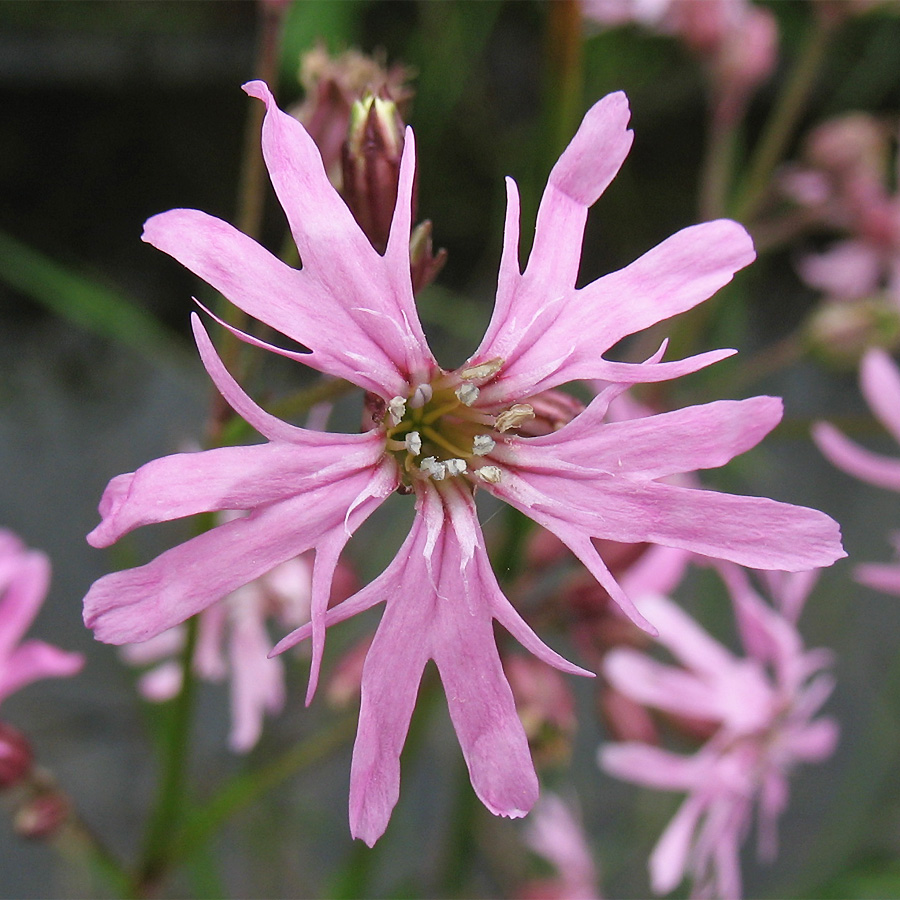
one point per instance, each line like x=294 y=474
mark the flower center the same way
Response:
x=439 y=431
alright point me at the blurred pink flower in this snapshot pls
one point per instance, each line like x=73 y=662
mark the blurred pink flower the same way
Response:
x=440 y=434
x=555 y=833
x=761 y=708
x=24 y=580
x=880 y=382
x=233 y=641
x=844 y=183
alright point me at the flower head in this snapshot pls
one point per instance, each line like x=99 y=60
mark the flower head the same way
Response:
x=24 y=579
x=760 y=709
x=439 y=435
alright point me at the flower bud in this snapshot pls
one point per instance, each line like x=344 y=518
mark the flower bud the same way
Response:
x=332 y=85
x=423 y=262
x=370 y=161
x=545 y=705
x=41 y=816
x=839 y=332
x=16 y=757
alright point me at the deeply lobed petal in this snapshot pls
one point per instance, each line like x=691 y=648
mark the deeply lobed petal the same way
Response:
x=136 y=604
x=34 y=660
x=882 y=471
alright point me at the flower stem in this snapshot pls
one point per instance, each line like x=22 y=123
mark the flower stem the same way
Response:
x=246 y=788
x=781 y=124
x=718 y=166
x=164 y=823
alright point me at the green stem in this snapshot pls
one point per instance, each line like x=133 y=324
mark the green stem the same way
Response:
x=781 y=124
x=77 y=842
x=252 y=185
x=248 y=787
x=718 y=167
x=169 y=810
x=564 y=83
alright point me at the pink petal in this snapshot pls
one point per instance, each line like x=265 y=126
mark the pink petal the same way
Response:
x=161 y=683
x=882 y=577
x=880 y=382
x=290 y=301
x=267 y=425
x=581 y=174
x=696 y=437
x=670 y=855
x=257 y=682
x=651 y=683
x=568 y=333
x=136 y=604
x=373 y=293
x=227 y=478
x=882 y=471
x=26 y=588
x=849 y=270
x=390 y=682
x=34 y=660
x=654 y=767
x=752 y=531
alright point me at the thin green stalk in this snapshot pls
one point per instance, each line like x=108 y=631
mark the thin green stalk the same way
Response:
x=248 y=787
x=77 y=842
x=252 y=186
x=718 y=167
x=169 y=810
x=780 y=126
x=563 y=92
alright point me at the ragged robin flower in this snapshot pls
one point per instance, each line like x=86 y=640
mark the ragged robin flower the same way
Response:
x=440 y=435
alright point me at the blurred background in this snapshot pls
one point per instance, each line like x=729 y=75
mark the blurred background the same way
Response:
x=115 y=111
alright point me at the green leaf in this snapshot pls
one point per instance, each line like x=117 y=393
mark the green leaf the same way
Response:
x=86 y=303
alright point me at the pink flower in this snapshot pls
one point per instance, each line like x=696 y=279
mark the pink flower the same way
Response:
x=762 y=709
x=440 y=434
x=880 y=382
x=845 y=185
x=233 y=641
x=555 y=833
x=24 y=579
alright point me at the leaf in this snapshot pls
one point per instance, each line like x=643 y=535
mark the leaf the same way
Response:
x=86 y=303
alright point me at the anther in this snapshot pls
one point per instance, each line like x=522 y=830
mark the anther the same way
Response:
x=514 y=416
x=421 y=395
x=431 y=467
x=482 y=371
x=467 y=394
x=455 y=466
x=397 y=410
x=490 y=474
x=413 y=442
x=482 y=444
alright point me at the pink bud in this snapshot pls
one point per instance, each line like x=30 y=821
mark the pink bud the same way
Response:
x=41 y=816
x=16 y=757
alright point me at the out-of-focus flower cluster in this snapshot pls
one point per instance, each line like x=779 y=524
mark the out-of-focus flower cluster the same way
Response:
x=758 y=712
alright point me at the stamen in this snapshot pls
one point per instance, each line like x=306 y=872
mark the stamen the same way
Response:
x=421 y=395
x=413 y=443
x=490 y=474
x=397 y=410
x=437 y=438
x=514 y=416
x=431 y=467
x=455 y=466
x=482 y=371
x=482 y=444
x=467 y=394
